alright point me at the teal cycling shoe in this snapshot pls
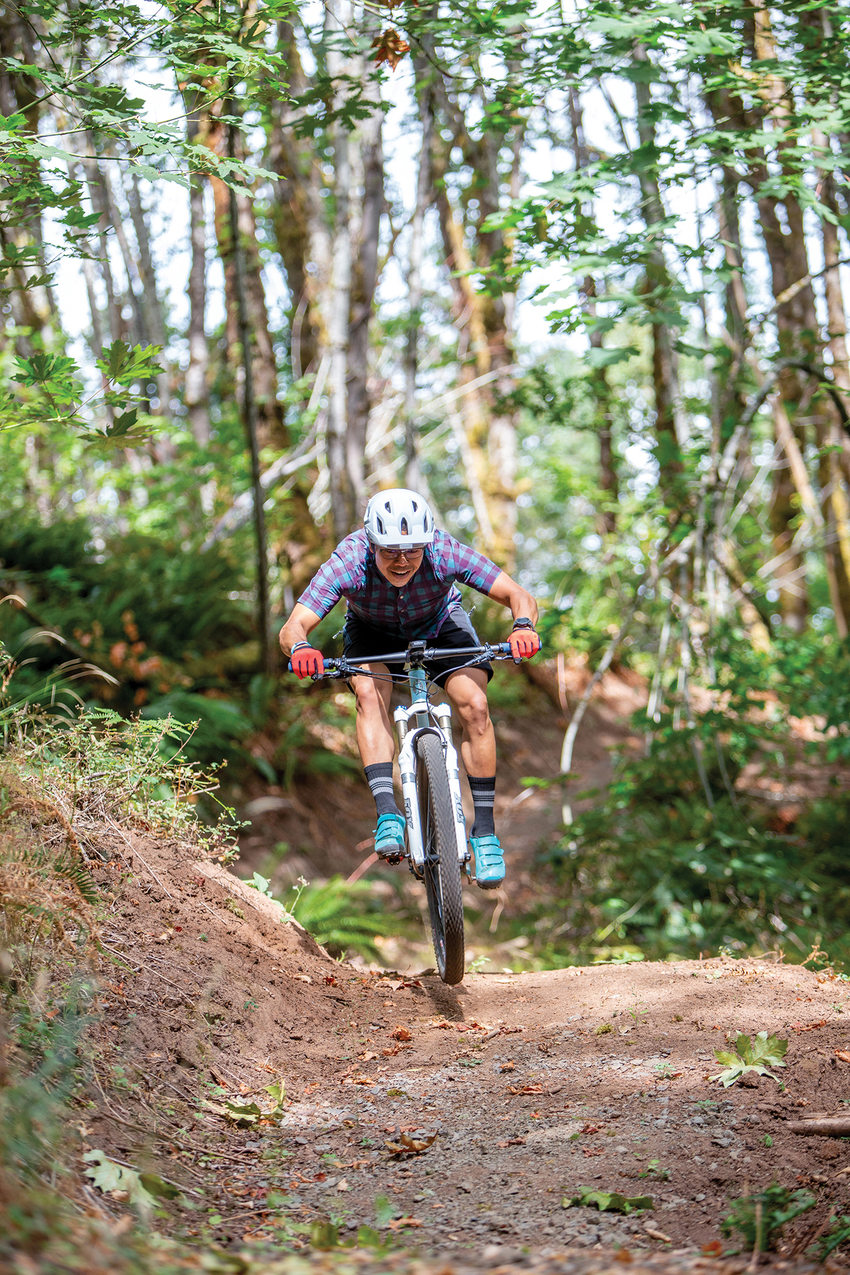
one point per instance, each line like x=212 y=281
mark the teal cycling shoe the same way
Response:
x=389 y=837
x=489 y=861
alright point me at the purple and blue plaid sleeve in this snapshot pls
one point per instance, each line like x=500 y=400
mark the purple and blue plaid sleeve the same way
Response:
x=343 y=573
x=458 y=561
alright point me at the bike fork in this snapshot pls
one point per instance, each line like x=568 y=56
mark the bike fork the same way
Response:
x=407 y=769
x=443 y=714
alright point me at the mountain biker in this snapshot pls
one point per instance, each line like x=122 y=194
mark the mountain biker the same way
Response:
x=397 y=574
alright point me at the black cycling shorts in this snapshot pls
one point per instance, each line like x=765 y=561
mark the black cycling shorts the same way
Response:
x=359 y=638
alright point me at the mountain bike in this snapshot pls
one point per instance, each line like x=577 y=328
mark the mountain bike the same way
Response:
x=436 y=850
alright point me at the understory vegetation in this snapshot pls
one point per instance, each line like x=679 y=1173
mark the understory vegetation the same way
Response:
x=59 y=782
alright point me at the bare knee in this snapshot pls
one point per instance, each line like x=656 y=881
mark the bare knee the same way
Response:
x=369 y=701
x=474 y=714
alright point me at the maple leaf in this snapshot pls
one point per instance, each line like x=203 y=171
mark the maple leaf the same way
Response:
x=756 y=1055
x=390 y=47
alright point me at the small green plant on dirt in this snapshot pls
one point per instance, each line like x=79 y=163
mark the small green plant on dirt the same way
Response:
x=760 y=1218
x=608 y=1201
x=838 y=1234
x=654 y=1169
x=757 y=1056
x=636 y=1013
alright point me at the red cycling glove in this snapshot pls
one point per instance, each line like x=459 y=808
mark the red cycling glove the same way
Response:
x=524 y=643
x=306 y=661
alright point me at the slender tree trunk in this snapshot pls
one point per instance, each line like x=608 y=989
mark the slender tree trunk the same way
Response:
x=299 y=216
x=368 y=151
x=657 y=288
x=153 y=322
x=834 y=453
x=299 y=554
x=483 y=321
x=608 y=480
x=339 y=304
x=412 y=466
x=196 y=389
x=32 y=307
x=250 y=418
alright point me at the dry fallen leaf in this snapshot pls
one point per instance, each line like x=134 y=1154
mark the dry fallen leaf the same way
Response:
x=402 y=1033
x=658 y=1235
x=405 y=1145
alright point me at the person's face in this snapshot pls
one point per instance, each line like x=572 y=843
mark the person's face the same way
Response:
x=399 y=566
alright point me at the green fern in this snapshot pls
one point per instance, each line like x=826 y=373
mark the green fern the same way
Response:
x=343 y=916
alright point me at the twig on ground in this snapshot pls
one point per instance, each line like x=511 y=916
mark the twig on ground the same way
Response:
x=827 y=1126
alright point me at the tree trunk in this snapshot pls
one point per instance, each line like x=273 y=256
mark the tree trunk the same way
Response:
x=657 y=287
x=31 y=303
x=300 y=553
x=413 y=475
x=299 y=217
x=486 y=340
x=608 y=479
x=196 y=387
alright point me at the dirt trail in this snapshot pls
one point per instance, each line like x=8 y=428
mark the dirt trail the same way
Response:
x=457 y=1121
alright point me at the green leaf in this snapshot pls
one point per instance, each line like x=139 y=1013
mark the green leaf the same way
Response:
x=123 y=364
x=245 y=1114
x=142 y=1189
x=609 y=355
x=608 y=1201
x=241 y=1114
x=385 y=1211
x=757 y=1055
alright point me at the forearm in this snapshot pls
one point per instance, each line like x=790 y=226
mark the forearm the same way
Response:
x=297 y=628
x=512 y=595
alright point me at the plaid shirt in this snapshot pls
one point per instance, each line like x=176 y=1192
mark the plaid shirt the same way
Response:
x=419 y=608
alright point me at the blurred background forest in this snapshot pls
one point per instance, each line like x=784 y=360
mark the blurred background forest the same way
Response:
x=577 y=271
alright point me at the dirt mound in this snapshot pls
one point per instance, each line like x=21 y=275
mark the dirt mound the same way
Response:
x=472 y=1125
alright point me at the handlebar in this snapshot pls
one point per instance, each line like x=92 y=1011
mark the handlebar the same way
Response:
x=415 y=654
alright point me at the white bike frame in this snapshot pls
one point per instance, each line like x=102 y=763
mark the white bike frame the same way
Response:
x=413 y=720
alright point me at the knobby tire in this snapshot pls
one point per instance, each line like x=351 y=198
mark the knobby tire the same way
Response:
x=443 y=885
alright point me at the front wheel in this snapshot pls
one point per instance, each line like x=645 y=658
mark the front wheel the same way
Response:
x=441 y=868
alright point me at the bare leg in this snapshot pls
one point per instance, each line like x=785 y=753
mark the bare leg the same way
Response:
x=467 y=690
x=374 y=728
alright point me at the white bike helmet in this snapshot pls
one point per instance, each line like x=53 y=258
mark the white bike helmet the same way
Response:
x=399 y=519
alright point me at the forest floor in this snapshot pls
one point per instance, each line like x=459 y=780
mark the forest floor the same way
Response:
x=467 y=1127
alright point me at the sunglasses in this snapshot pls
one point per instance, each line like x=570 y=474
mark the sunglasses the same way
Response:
x=394 y=554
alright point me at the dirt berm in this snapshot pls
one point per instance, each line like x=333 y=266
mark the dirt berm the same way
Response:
x=480 y=1127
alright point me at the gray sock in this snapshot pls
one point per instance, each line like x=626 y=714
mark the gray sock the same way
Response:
x=380 y=779
x=483 y=796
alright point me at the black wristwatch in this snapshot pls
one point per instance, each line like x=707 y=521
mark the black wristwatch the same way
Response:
x=522 y=622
